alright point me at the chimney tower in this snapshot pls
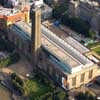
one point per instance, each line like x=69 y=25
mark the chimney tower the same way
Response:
x=35 y=15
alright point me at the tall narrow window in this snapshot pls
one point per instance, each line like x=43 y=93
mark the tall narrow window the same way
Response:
x=82 y=77
x=73 y=81
x=90 y=74
x=29 y=48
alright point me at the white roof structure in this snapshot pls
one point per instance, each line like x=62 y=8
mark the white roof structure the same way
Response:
x=76 y=45
x=63 y=34
x=69 y=59
x=37 y=3
x=13 y=2
x=8 y=11
x=67 y=47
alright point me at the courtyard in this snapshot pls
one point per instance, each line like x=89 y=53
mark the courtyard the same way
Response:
x=22 y=67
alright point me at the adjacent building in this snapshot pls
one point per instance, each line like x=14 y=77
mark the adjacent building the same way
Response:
x=46 y=11
x=9 y=3
x=87 y=10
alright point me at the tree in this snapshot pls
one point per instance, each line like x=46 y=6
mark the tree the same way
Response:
x=56 y=97
x=17 y=83
x=92 y=34
x=6 y=45
x=5 y=62
x=50 y=2
x=62 y=95
x=66 y=96
x=2 y=44
x=14 y=57
x=77 y=24
x=85 y=96
x=59 y=10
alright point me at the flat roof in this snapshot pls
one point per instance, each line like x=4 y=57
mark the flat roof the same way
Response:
x=57 y=46
x=21 y=32
x=74 y=43
x=59 y=52
x=24 y=26
x=64 y=34
x=7 y=11
x=55 y=29
x=65 y=46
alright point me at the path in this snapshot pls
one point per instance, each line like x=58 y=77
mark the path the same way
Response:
x=95 y=47
x=9 y=71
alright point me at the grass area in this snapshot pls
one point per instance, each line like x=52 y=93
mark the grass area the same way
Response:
x=34 y=88
x=97 y=50
x=85 y=96
x=95 y=47
x=62 y=95
x=2 y=87
x=40 y=88
x=11 y=59
x=91 y=45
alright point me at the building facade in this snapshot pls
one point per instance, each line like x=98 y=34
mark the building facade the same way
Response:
x=86 y=10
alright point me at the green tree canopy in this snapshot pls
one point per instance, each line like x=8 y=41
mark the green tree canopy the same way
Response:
x=85 y=96
x=92 y=34
x=76 y=24
x=59 y=10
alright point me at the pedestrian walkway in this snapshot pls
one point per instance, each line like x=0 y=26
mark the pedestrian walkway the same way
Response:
x=22 y=68
x=9 y=71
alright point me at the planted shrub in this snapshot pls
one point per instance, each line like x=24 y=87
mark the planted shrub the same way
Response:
x=17 y=83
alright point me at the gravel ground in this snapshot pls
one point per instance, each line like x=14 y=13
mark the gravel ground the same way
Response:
x=4 y=94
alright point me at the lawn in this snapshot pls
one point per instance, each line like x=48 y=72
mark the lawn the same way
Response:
x=92 y=45
x=61 y=95
x=95 y=47
x=97 y=50
x=34 y=88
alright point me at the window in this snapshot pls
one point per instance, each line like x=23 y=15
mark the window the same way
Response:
x=29 y=48
x=90 y=73
x=82 y=77
x=74 y=81
x=18 y=43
